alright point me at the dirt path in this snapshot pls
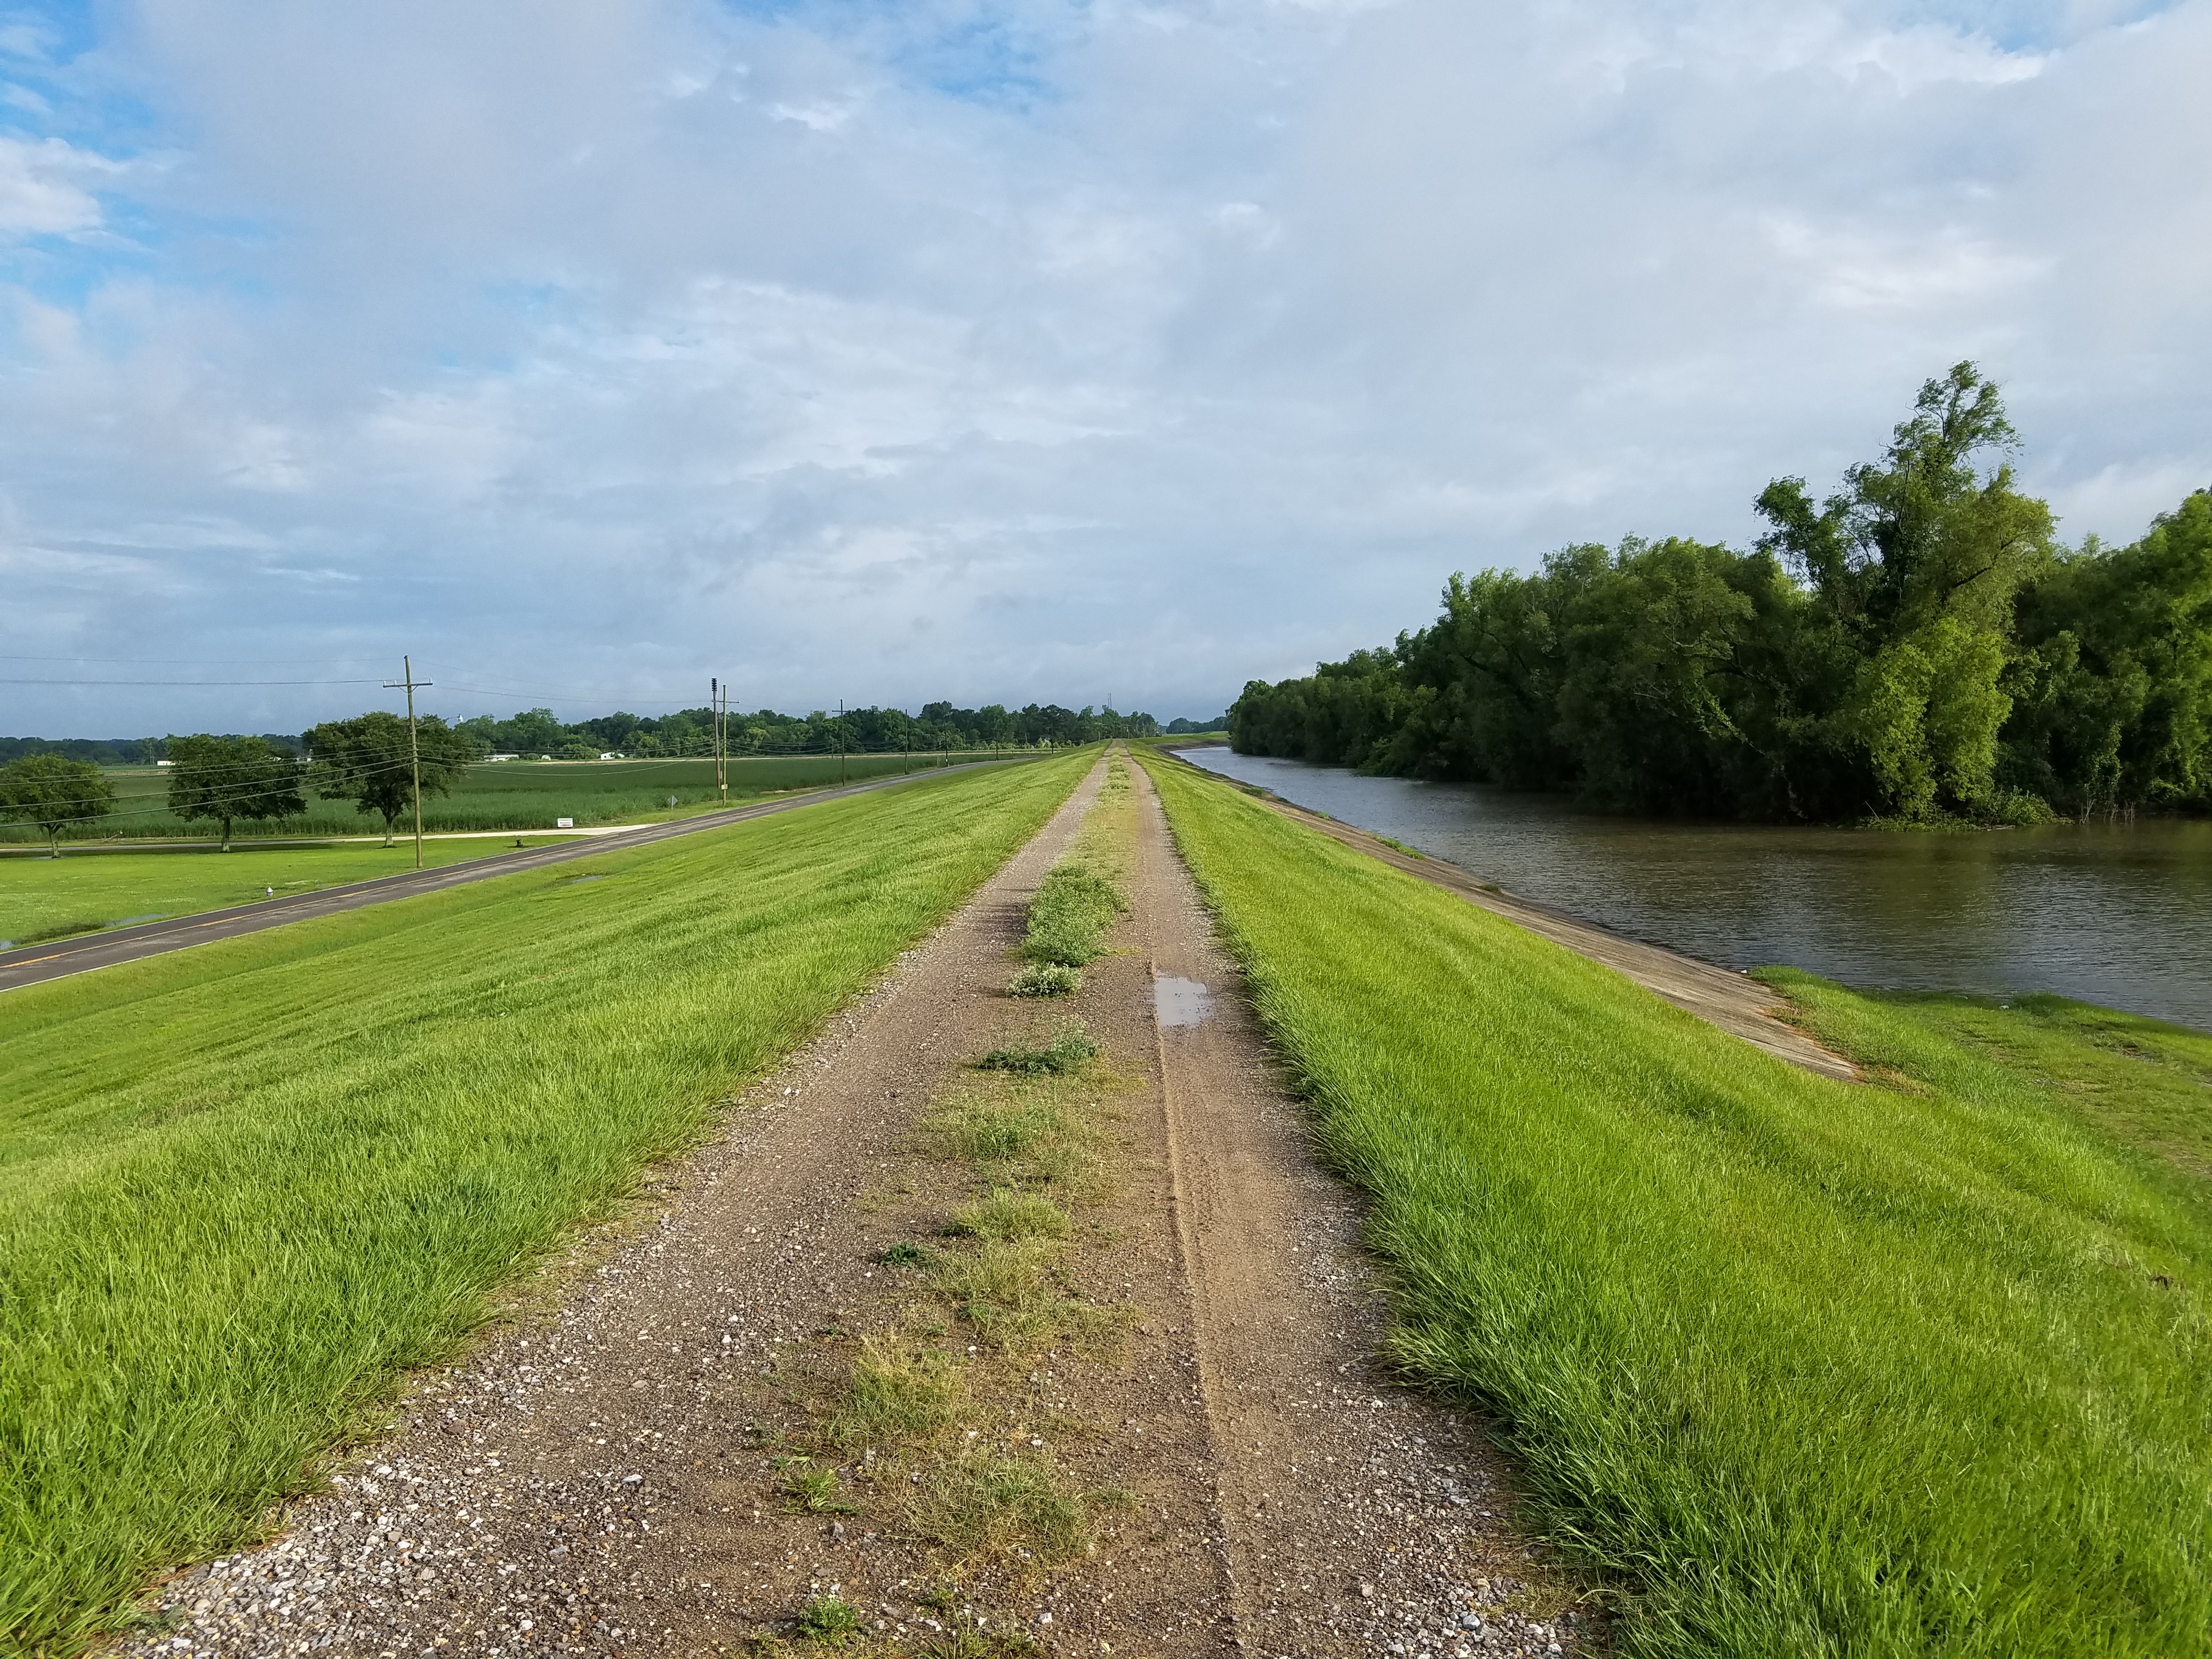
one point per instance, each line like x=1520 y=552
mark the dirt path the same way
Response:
x=1738 y=1004
x=1362 y=1518
x=609 y=1472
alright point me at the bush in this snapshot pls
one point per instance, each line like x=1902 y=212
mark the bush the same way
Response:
x=1046 y=979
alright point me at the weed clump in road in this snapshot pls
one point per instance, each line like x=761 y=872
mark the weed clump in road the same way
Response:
x=984 y=1503
x=809 y=1489
x=829 y=1620
x=1009 y=1215
x=1069 y=1051
x=1076 y=905
x=899 y=1391
x=1046 y=979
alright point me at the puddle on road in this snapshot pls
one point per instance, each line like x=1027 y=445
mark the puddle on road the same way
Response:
x=1181 y=1002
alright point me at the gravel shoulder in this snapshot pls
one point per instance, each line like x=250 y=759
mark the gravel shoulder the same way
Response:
x=600 y=1474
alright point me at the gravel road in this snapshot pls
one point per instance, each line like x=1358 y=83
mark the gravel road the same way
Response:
x=590 y=1477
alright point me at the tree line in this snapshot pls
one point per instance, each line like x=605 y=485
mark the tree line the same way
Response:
x=691 y=732
x=1917 y=647
x=372 y=761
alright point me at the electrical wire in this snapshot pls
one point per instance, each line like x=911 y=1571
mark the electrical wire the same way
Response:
x=178 y=683
x=198 y=662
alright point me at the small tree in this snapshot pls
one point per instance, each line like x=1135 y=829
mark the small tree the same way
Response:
x=365 y=760
x=50 y=792
x=227 y=779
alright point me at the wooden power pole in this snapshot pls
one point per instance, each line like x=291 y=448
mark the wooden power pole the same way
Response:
x=414 y=752
x=718 y=698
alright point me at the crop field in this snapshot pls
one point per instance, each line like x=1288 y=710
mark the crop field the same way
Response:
x=244 y=1187
x=1914 y=1367
x=43 y=898
x=508 y=795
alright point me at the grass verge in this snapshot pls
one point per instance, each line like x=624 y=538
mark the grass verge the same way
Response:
x=1922 y=1367
x=243 y=1186
x=509 y=795
x=82 y=892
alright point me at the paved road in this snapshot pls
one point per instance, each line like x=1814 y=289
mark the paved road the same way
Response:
x=36 y=962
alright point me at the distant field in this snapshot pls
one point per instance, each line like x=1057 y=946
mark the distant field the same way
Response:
x=245 y=1186
x=509 y=795
x=1919 y=1366
x=42 y=897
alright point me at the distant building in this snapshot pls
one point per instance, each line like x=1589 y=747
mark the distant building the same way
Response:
x=488 y=757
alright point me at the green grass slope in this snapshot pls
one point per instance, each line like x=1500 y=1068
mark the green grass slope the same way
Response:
x=243 y=1186
x=44 y=898
x=506 y=795
x=1918 y=1368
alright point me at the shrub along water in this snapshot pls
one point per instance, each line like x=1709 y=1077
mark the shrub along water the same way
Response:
x=1918 y=1367
x=243 y=1186
x=1916 y=646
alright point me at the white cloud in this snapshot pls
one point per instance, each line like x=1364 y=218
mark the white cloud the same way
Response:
x=43 y=188
x=1172 y=345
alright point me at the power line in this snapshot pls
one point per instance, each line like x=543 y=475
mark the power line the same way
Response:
x=192 y=662
x=176 y=683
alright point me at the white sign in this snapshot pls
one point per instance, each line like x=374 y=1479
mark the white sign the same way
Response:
x=564 y=823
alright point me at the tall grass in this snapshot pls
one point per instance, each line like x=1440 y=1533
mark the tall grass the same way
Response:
x=241 y=1188
x=1917 y=1368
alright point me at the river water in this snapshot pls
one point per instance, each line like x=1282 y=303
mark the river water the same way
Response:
x=2118 y=914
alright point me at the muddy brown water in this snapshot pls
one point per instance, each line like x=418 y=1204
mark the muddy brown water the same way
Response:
x=2116 y=914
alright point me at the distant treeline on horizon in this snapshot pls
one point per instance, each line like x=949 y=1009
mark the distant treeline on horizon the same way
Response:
x=1917 y=648
x=689 y=732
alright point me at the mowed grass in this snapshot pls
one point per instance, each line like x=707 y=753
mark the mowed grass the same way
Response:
x=243 y=1186
x=40 y=897
x=506 y=795
x=1914 y=1368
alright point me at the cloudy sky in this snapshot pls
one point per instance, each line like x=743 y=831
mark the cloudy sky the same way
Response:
x=1012 y=350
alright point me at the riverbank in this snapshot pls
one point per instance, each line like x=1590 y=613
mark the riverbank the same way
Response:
x=2119 y=916
x=1907 y=1368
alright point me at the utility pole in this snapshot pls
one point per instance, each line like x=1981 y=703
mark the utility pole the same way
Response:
x=414 y=752
x=716 y=697
x=841 y=740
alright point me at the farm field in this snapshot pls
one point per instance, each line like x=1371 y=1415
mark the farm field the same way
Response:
x=505 y=795
x=1912 y=1367
x=243 y=1188
x=43 y=898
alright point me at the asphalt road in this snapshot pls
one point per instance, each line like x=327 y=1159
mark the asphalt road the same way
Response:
x=33 y=963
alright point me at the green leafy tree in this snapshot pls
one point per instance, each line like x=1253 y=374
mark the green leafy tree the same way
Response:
x=54 y=792
x=1915 y=647
x=224 y=780
x=366 y=759
x=2114 y=679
